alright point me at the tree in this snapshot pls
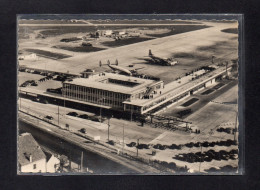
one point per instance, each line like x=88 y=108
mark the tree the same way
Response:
x=63 y=162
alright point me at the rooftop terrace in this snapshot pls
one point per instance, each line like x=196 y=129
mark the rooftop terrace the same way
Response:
x=114 y=82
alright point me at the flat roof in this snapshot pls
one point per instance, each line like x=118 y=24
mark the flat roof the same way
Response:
x=96 y=82
x=176 y=91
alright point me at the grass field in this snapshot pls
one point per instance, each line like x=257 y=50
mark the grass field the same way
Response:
x=48 y=54
x=190 y=102
x=80 y=48
x=180 y=29
x=209 y=91
x=142 y=22
x=59 y=30
x=125 y=41
x=230 y=30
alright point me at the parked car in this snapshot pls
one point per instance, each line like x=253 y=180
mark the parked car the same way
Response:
x=34 y=84
x=49 y=117
x=83 y=130
x=84 y=116
x=132 y=144
x=111 y=142
x=74 y=114
x=97 y=119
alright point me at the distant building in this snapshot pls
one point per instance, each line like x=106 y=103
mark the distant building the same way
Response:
x=32 y=56
x=31 y=158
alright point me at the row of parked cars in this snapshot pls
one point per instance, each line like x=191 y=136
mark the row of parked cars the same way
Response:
x=49 y=77
x=85 y=116
x=208 y=156
x=172 y=165
x=226 y=130
x=228 y=142
x=226 y=168
x=29 y=83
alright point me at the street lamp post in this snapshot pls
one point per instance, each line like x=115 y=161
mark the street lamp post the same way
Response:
x=137 y=146
x=58 y=115
x=235 y=131
x=123 y=138
x=131 y=113
x=200 y=155
x=108 y=126
x=100 y=114
x=20 y=101
x=101 y=109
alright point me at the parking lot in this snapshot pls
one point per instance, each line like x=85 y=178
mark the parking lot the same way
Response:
x=41 y=85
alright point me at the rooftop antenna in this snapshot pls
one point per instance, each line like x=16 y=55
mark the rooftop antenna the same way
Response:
x=212 y=59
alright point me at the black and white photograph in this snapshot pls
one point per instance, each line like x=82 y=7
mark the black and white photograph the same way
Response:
x=115 y=96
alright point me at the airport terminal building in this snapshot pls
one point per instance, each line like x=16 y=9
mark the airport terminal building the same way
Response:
x=132 y=94
x=112 y=90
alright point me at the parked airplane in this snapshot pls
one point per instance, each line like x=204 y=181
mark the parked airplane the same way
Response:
x=119 y=69
x=162 y=61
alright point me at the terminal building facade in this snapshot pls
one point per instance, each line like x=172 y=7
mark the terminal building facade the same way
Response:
x=111 y=90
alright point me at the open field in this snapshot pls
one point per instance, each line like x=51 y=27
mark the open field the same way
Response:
x=49 y=31
x=231 y=30
x=142 y=22
x=104 y=21
x=79 y=48
x=126 y=41
x=47 y=54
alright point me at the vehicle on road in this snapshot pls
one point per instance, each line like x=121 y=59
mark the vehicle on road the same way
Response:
x=83 y=130
x=49 y=117
x=74 y=114
x=34 y=84
x=96 y=119
x=84 y=116
x=132 y=144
